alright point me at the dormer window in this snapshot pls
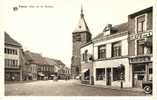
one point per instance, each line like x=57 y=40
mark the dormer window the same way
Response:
x=107 y=29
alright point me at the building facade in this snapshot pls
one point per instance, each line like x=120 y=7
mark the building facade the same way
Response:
x=121 y=55
x=13 y=67
x=80 y=35
x=110 y=55
x=36 y=66
x=140 y=46
x=42 y=68
x=87 y=63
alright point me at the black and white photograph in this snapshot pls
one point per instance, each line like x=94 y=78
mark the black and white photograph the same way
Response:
x=78 y=48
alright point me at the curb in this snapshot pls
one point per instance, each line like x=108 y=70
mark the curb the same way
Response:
x=123 y=89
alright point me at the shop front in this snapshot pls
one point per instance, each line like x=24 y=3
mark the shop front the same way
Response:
x=141 y=70
x=12 y=75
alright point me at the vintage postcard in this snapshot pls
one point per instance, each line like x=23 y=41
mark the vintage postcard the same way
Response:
x=78 y=48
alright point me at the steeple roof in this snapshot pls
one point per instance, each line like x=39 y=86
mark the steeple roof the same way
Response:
x=81 y=26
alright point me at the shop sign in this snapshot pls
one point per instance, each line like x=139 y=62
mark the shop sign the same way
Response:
x=140 y=59
x=140 y=35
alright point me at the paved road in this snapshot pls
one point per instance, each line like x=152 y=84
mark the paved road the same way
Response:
x=62 y=88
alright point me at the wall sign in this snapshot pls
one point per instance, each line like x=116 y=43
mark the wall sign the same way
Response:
x=140 y=35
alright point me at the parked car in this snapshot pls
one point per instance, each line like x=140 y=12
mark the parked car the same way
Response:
x=147 y=86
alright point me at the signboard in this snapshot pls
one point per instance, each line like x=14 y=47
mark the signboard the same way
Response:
x=140 y=59
x=140 y=35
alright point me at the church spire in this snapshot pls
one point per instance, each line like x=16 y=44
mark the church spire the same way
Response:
x=81 y=26
x=82 y=11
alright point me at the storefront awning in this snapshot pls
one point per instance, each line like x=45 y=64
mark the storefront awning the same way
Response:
x=84 y=70
x=41 y=74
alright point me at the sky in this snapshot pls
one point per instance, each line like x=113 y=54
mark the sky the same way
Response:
x=48 y=31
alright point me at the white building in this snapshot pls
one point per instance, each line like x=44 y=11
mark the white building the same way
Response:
x=110 y=54
x=13 y=49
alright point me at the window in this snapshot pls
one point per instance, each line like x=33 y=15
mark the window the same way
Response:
x=86 y=56
x=10 y=51
x=150 y=70
x=140 y=23
x=117 y=74
x=11 y=63
x=100 y=73
x=116 y=49
x=140 y=47
x=102 y=52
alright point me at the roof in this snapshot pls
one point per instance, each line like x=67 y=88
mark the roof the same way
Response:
x=81 y=26
x=10 y=41
x=59 y=62
x=121 y=27
x=50 y=61
x=115 y=29
x=149 y=9
x=34 y=58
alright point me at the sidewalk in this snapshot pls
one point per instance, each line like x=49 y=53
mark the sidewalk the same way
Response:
x=115 y=88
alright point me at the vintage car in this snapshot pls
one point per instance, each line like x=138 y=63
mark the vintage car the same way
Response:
x=147 y=86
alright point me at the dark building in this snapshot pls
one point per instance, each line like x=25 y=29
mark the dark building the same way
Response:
x=140 y=45
x=80 y=35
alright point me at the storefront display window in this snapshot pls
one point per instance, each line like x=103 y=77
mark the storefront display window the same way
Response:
x=100 y=73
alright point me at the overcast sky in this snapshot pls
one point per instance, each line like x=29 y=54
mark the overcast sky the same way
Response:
x=49 y=30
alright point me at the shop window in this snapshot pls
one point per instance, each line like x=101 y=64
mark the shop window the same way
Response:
x=102 y=52
x=116 y=49
x=117 y=74
x=100 y=73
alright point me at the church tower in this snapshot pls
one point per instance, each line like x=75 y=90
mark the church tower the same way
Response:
x=80 y=36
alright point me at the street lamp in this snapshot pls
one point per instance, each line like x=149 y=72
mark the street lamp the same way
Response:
x=121 y=67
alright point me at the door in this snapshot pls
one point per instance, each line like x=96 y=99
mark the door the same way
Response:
x=138 y=75
x=138 y=79
x=108 y=78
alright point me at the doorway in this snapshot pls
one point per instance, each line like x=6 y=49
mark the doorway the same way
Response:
x=138 y=75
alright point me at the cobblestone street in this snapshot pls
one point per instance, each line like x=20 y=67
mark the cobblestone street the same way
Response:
x=62 y=88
